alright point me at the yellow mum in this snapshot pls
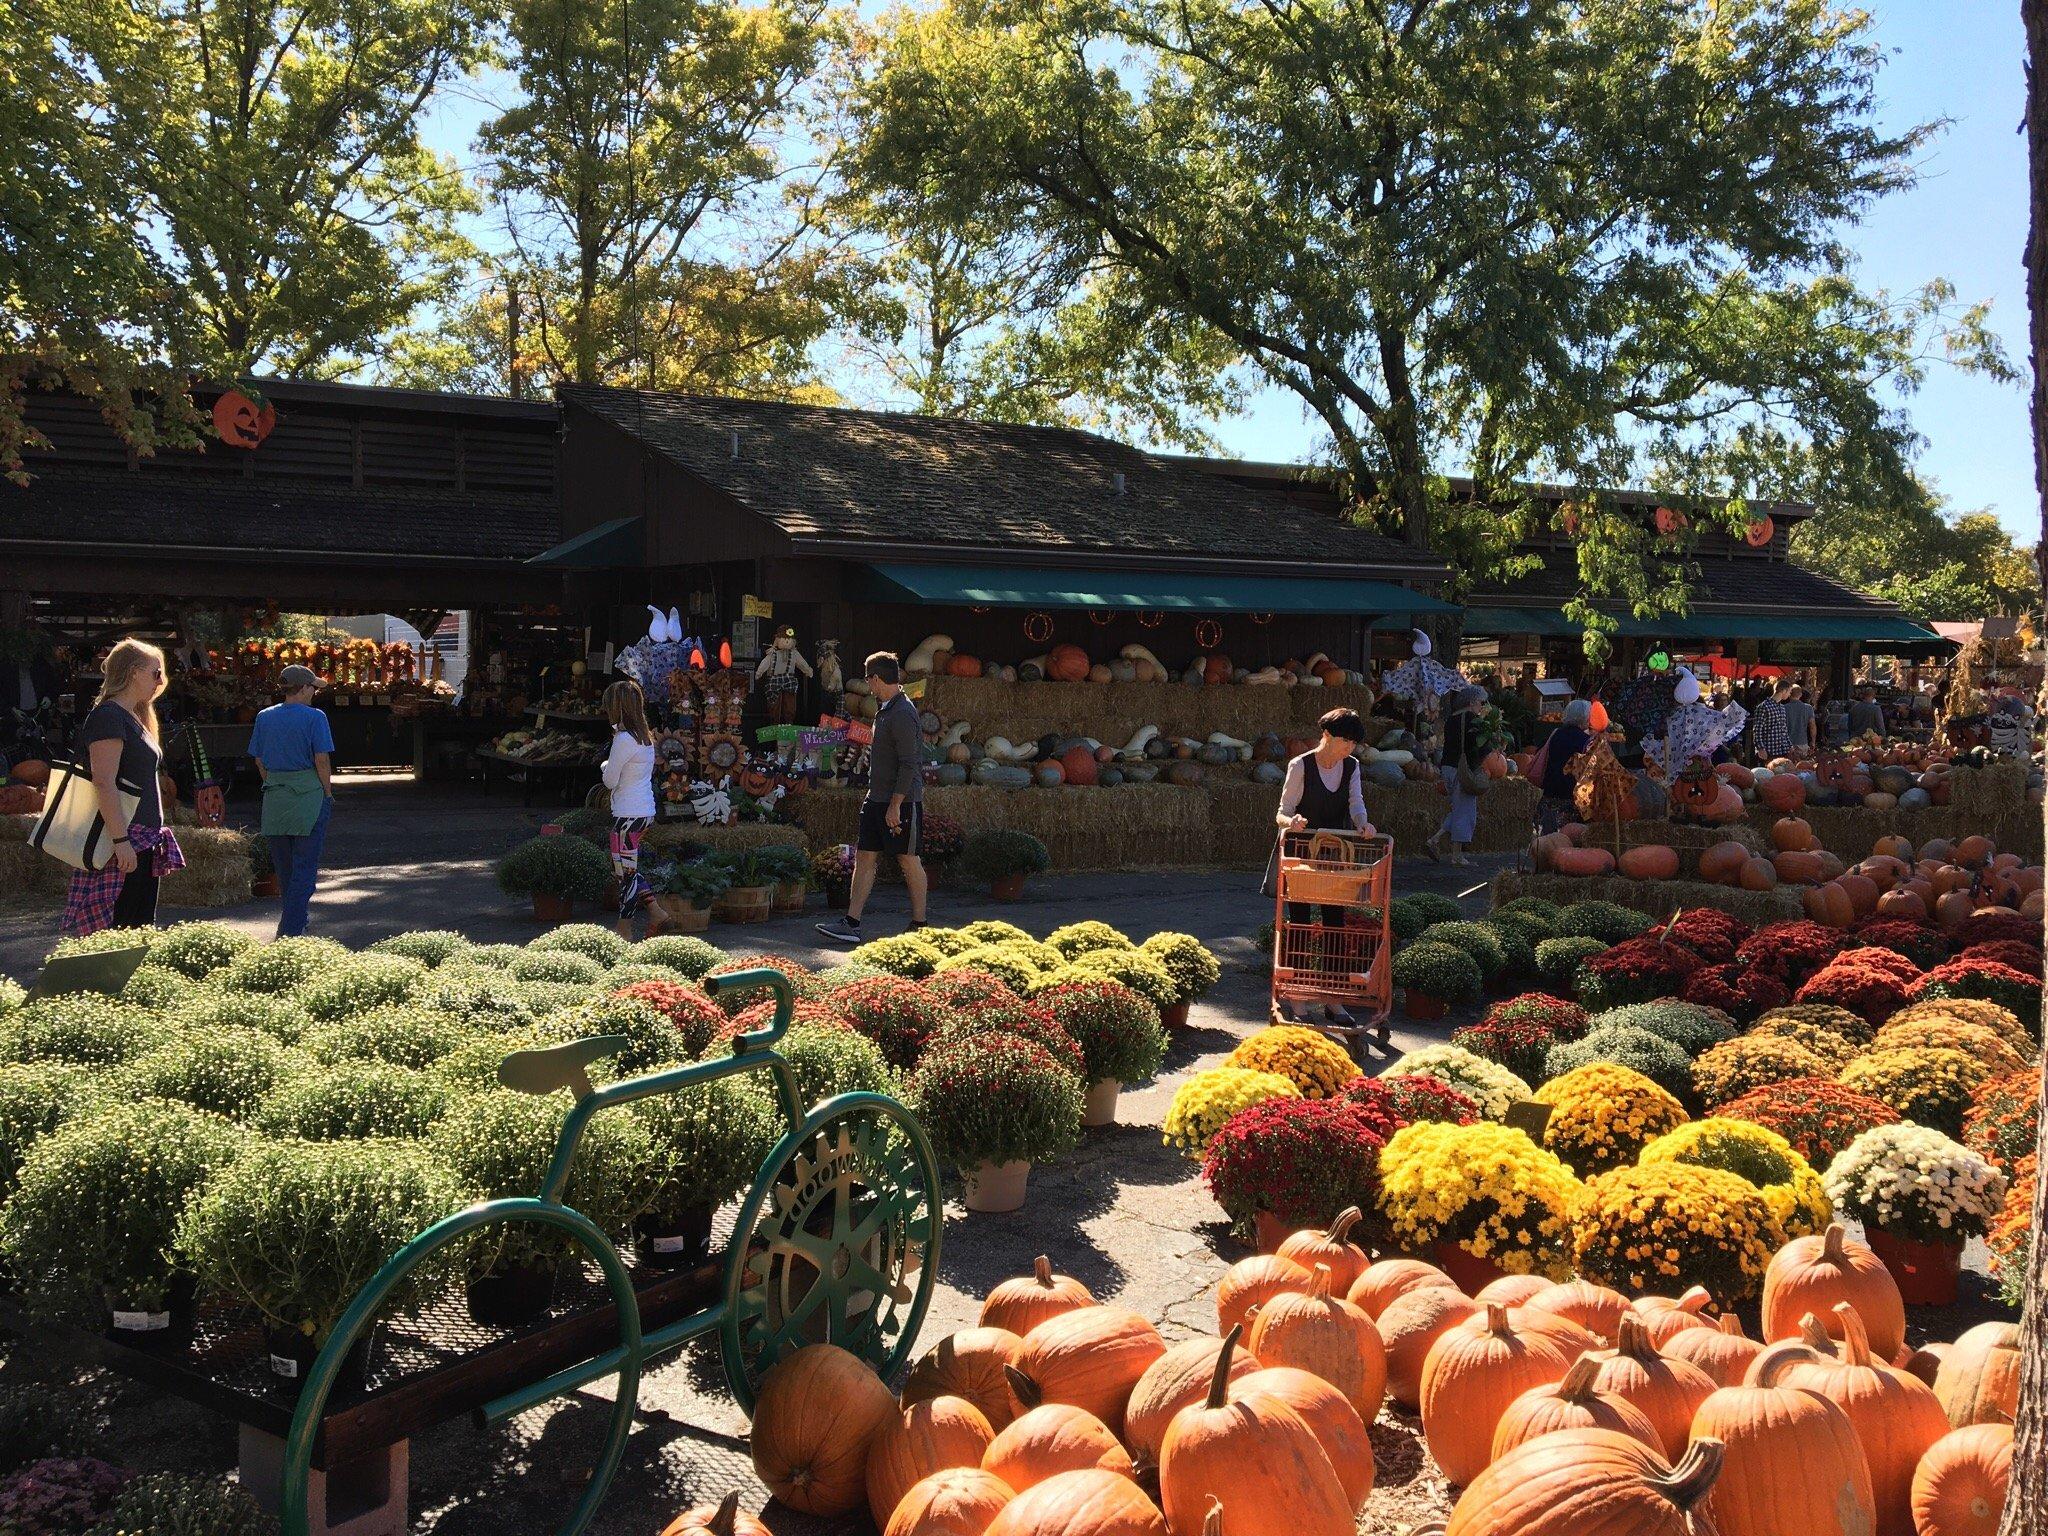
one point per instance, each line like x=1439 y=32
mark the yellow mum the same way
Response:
x=1209 y=1098
x=1308 y=1058
x=1758 y=1155
x=1486 y=1187
x=1602 y=1115
x=1711 y=1228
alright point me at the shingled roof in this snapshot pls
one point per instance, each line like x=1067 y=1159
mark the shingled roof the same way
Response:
x=1740 y=581
x=826 y=475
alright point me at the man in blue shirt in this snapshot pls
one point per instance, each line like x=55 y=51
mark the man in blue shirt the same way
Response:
x=294 y=750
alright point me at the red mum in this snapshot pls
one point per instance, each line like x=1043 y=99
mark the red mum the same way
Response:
x=1710 y=933
x=685 y=1006
x=2021 y=957
x=1872 y=992
x=1791 y=951
x=2015 y=991
x=1742 y=992
x=1816 y=1114
x=1919 y=943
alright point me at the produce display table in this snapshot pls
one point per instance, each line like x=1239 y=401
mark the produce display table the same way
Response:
x=569 y=780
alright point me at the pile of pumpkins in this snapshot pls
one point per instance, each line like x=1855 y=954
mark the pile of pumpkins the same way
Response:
x=935 y=656
x=1909 y=777
x=1943 y=882
x=21 y=793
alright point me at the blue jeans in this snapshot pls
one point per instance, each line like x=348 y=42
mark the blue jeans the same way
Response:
x=297 y=862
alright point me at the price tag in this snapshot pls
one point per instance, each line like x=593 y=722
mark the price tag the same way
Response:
x=1528 y=1117
x=673 y=1244
x=283 y=1365
x=142 y=1322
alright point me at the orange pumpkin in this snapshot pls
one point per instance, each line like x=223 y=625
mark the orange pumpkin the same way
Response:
x=1861 y=891
x=1474 y=1371
x=1960 y=1485
x=1329 y=1416
x=971 y=1364
x=1588 y=1482
x=1572 y=1403
x=1409 y=1329
x=1583 y=862
x=1757 y=875
x=1902 y=902
x=1975 y=852
x=32 y=771
x=1383 y=1283
x=1724 y=1353
x=1079 y=766
x=1047 y=1439
x=1593 y=1307
x=963 y=666
x=817 y=1412
x=1668 y=1391
x=1170 y=1383
x=1258 y=1451
x=1893 y=847
x=1978 y=1381
x=960 y=1501
x=1783 y=792
x=1812 y=1274
x=1721 y=863
x=922 y=1438
x=1650 y=861
x=1091 y=1357
x=1332 y=1247
x=1789 y=834
x=1317 y=1332
x=1080 y=1504
x=1801 y=869
x=1067 y=664
x=1665 y=1317
x=1019 y=1306
x=1792 y=1464
x=1513 y=1290
x=1827 y=905
x=725 y=1518
x=1251 y=1283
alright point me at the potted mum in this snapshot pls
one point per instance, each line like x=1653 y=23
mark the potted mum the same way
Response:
x=832 y=873
x=1005 y=859
x=684 y=894
x=1434 y=976
x=1191 y=965
x=1286 y=1164
x=790 y=865
x=994 y=1104
x=556 y=873
x=1119 y=1034
x=262 y=873
x=1920 y=1197
x=706 y=1142
x=1481 y=1200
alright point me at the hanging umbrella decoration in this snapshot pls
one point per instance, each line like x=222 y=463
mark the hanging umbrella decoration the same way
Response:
x=1644 y=702
x=1692 y=731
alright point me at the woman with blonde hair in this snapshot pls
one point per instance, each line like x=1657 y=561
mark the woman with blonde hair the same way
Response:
x=629 y=777
x=121 y=746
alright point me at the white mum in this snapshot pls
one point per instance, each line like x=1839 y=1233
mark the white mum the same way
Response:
x=1488 y=1084
x=1917 y=1182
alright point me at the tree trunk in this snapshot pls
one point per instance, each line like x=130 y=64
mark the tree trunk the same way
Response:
x=2026 y=1504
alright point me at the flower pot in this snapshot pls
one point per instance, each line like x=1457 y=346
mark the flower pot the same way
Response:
x=1174 y=1016
x=158 y=1328
x=1007 y=887
x=676 y=1240
x=264 y=887
x=292 y=1354
x=1926 y=1272
x=1099 y=1108
x=745 y=904
x=791 y=897
x=1470 y=1273
x=550 y=909
x=675 y=914
x=996 y=1186
x=1420 y=1005
x=1270 y=1231
x=512 y=1297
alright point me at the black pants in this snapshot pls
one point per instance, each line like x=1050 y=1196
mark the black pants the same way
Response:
x=135 y=907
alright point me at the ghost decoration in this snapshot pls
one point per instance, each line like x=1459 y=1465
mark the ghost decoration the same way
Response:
x=1422 y=677
x=1692 y=729
x=650 y=660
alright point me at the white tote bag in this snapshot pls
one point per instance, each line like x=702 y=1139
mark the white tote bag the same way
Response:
x=71 y=829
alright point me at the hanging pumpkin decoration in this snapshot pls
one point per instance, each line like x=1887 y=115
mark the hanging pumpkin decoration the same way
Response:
x=1038 y=627
x=1208 y=634
x=1670 y=522
x=1760 y=532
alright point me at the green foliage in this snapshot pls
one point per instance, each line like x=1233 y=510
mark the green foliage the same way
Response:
x=158 y=988
x=1000 y=852
x=995 y=1098
x=1915 y=552
x=429 y=946
x=105 y=941
x=360 y=983
x=1440 y=971
x=1692 y=1027
x=85 y=1028
x=35 y=1097
x=224 y=1070
x=1602 y=920
x=1558 y=960
x=1534 y=908
x=197 y=950
x=555 y=866
x=358 y=1101
x=485 y=957
x=403 y=1034
x=989 y=930
x=1662 y=1062
x=486 y=1000
x=12 y=994
x=652 y=1041
x=561 y=966
x=296 y=1228
x=1188 y=961
x=283 y=965
x=901 y=954
x=591 y=940
x=681 y=952
x=279 y=1017
x=543 y=997
x=1409 y=915
x=829 y=1062
x=1482 y=943
x=1518 y=937
x=38 y=1422
x=97 y=1199
x=1137 y=969
x=473 y=1066
x=177 y=1504
x=1117 y=1029
x=1077 y=939
x=707 y=1142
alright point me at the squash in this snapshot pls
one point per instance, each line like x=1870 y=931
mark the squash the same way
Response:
x=1650 y=861
x=1329 y=1416
x=1256 y=1449
x=1080 y=1504
x=1782 y=792
x=1593 y=1307
x=1896 y=1417
x=1020 y=1305
x=1757 y=875
x=1066 y=664
x=1975 y=852
x=1878 y=800
x=818 y=1410
x=1792 y=1465
x=1811 y=1274
x=971 y=1364
x=1135 y=652
x=1177 y=1378
x=1668 y=1391
x=1893 y=847
x=1409 y=1329
x=1724 y=1353
x=1252 y=1283
x=922 y=657
x=1474 y=1371
x=1079 y=766
x=1217 y=669
x=1513 y=1290
x=993 y=775
x=1588 y=1482
x=1381 y=1284
x=963 y=666
x=1979 y=1379
x=1721 y=863
x=1100 y=673
x=1584 y=862
x=1960 y=1486
x=1186 y=775
x=1332 y=1247
x=1090 y=1357
x=1048 y=775
x=1828 y=904
x=1046 y=1439
x=1571 y=1404
x=960 y=1501
x=934 y=1435
x=722 y=1519
x=1332 y=1338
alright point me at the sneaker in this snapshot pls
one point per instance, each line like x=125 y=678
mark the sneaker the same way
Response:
x=843 y=930
x=1432 y=845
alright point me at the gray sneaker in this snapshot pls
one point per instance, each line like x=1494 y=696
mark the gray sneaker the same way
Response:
x=843 y=930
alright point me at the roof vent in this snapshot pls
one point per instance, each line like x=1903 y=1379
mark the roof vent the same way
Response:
x=735 y=445
x=1118 y=480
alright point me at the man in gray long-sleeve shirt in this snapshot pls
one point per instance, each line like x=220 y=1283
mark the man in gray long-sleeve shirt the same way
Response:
x=892 y=815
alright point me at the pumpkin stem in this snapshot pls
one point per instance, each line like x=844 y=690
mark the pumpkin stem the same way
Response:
x=722 y=1518
x=1855 y=1337
x=1832 y=1241
x=1577 y=1386
x=1219 y=1384
x=1041 y=1271
x=1732 y=1326
x=1497 y=1321
x=1694 y=1475
x=1696 y=1300
x=1023 y=1388
x=1319 y=1281
x=1347 y=1218
x=1632 y=1338
x=1212 y=1522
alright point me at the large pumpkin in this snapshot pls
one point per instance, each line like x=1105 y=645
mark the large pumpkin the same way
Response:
x=922 y=1438
x=1080 y=1504
x=1256 y=1450
x=1665 y=1317
x=1650 y=861
x=1513 y=1290
x=1252 y=1283
x=960 y=1501
x=1792 y=1465
x=1177 y=1378
x=1047 y=1439
x=1091 y=1357
x=32 y=771
x=1067 y=664
x=1979 y=1379
x=1572 y=1403
x=1960 y=1485
x=1021 y=1305
x=1589 y=1482
x=1586 y=863
x=972 y=1364
x=817 y=1413
x=1331 y=1246
x=1721 y=863
x=1789 y=834
x=725 y=1518
x=1811 y=1274
x=1329 y=1416
x=1331 y=1338
x=1896 y=1416
x=1380 y=1285
x=1724 y=1353
x=1079 y=766
x=1668 y=1391
x=1474 y=1371
x=1783 y=792
x=1593 y=1307
x=1409 y=1329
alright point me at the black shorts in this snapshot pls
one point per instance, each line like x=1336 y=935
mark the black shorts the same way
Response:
x=875 y=836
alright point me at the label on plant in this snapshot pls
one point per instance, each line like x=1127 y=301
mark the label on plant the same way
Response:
x=672 y=1244
x=284 y=1365
x=142 y=1322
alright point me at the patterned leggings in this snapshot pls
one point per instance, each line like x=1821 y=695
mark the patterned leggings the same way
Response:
x=626 y=834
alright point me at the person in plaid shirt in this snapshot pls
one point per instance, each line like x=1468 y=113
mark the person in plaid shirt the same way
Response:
x=1770 y=735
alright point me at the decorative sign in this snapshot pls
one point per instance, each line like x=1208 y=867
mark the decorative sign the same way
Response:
x=752 y=607
x=240 y=421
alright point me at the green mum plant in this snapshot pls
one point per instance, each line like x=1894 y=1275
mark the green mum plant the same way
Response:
x=1604 y=920
x=278 y=1017
x=1117 y=1029
x=651 y=1040
x=947 y=941
x=565 y=867
x=689 y=956
x=176 y=1504
x=103 y=941
x=225 y=1071
x=1653 y=1056
x=544 y=997
x=159 y=988
x=35 y=1098
x=404 y=1034
x=1517 y=940
x=97 y=1200
x=1692 y=1027
x=84 y=1028
x=995 y=1098
x=1439 y=971
x=485 y=957
x=476 y=1000
x=12 y=995
x=473 y=1067
x=591 y=940
x=564 y=967
x=1077 y=939
x=295 y=1228
x=360 y=1101
x=707 y=1142
x=901 y=954
x=1134 y=968
x=197 y=950
x=1191 y=964
x=828 y=1062
x=1002 y=852
x=1409 y=915
x=990 y=930
x=1475 y=939
x=429 y=946
x=282 y=966
x=363 y=982
x=1558 y=960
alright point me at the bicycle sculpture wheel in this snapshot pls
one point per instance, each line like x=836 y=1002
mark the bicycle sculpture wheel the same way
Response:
x=834 y=1243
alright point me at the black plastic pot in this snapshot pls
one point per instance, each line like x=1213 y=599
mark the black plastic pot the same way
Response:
x=292 y=1354
x=677 y=1240
x=160 y=1330
x=512 y=1298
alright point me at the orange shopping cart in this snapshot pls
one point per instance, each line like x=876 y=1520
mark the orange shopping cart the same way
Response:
x=1332 y=929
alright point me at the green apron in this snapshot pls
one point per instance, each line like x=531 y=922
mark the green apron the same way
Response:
x=291 y=803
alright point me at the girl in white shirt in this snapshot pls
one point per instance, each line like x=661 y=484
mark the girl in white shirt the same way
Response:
x=629 y=777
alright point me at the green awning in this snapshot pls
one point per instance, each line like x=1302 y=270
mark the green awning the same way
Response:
x=1002 y=586
x=1874 y=627
x=608 y=546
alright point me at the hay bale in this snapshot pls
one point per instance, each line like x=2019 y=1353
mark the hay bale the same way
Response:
x=218 y=871
x=666 y=836
x=1657 y=898
x=1113 y=712
x=27 y=873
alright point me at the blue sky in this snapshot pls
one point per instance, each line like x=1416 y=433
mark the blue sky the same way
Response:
x=1966 y=221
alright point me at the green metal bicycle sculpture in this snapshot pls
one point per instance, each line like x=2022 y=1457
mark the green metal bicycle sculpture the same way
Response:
x=837 y=1241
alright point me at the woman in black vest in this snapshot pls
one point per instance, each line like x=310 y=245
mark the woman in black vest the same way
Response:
x=1324 y=792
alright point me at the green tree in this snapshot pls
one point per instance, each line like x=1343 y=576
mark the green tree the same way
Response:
x=1585 y=241
x=1934 y=566
x=656 y=233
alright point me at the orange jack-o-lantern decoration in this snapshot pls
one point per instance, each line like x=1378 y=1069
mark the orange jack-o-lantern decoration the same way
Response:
x=1670 y=521
x=210 y=805
x=1571 y=521
x=240 y=421
x=1759 y=533
x=1596 y=720
x=725 y=653
x=757 y=782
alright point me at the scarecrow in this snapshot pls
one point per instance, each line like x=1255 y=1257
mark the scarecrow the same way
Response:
x=779 y=675
x=1424 y=681
x=1693 y=732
